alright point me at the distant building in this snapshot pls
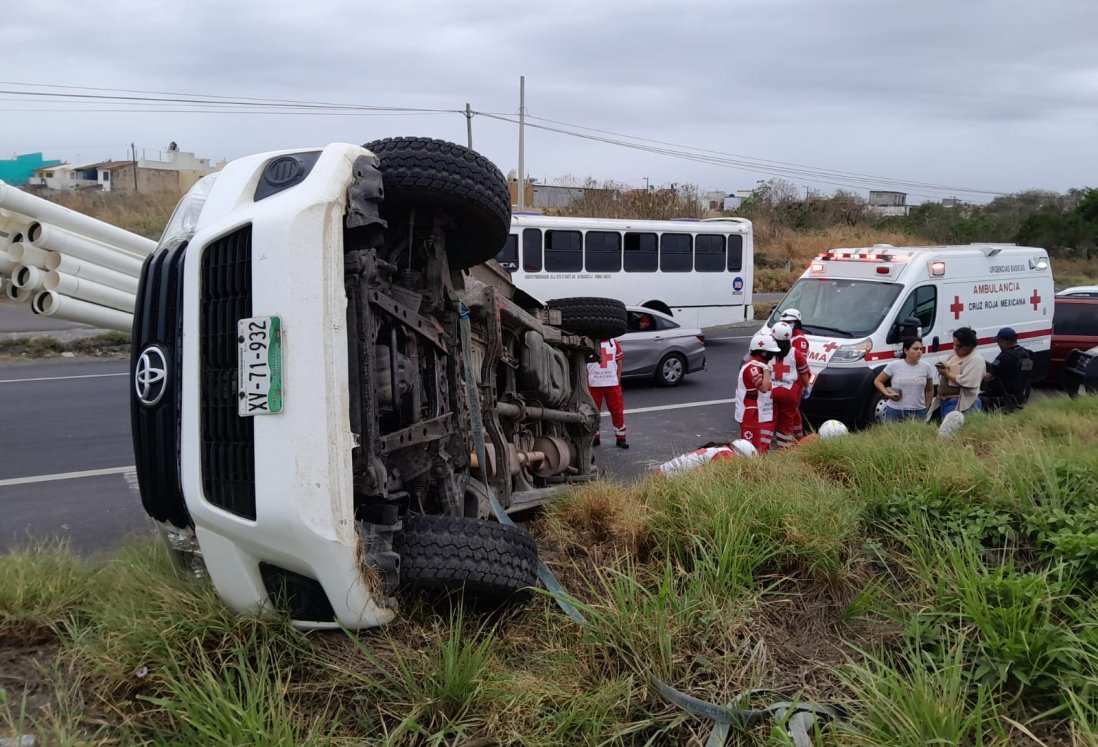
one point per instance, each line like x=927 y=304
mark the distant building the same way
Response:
x=176 y=174
x=887 y=203
x=950 y=202
x=18 y=171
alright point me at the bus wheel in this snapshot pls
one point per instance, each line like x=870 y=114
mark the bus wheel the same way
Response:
x=424 y=173
x=659 y=306
x=597 y=318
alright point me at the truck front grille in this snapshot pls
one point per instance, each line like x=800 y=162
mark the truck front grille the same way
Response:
x=158 y=326
x=228 y=446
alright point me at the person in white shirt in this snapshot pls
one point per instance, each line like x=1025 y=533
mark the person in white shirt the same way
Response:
x=907 y=384
x=604 y=381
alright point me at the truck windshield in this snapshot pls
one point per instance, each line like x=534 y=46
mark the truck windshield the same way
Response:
x=839 y=308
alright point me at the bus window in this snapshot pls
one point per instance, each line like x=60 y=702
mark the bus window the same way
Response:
x=563 y=251
x=602 y=251
x=641 y=253
x=676 y=253
x=709 y=254
x=531 y=250
x=735 y=253
x=508 y=255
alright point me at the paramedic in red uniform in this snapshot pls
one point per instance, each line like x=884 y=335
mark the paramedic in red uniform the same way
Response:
x=604 y=380
x=800 y=342
x=754 y=408
x=790 y=377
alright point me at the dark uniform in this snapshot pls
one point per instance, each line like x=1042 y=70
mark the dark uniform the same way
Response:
x=1011 y=373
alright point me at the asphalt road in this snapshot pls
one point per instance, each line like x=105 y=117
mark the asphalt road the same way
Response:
x=17 y=318
x=63 y=418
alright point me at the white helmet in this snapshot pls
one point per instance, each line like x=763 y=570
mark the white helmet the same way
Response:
x=744 y=448
x=782 y=331
x=833 y=429
x=764 y=341
x=791 y=315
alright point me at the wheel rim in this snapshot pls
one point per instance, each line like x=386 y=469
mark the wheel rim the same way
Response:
x=672 y=370
x=879 y=410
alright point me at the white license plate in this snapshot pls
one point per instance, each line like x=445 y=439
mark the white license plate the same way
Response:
x=259 y=346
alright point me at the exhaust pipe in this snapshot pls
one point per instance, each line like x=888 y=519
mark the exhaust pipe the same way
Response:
x=45 y=211
x=86 y=290
x=85 y=248
x=55 y=305
x=67 y=265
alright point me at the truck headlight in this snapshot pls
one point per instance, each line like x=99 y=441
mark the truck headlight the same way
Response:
x=184 y=221
x=853 y=352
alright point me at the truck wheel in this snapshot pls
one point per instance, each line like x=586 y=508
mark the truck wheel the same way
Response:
x=598 y=318
x=420 y=172
x=671 y=370
x=484 y=559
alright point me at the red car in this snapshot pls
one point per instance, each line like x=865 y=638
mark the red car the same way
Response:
x=1074 y=327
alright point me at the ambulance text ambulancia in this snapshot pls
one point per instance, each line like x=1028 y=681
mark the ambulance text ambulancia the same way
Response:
x=855 y=305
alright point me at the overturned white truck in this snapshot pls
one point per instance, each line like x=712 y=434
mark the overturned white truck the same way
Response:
x=301 y=427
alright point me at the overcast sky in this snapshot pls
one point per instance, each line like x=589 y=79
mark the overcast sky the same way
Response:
x=996 y=95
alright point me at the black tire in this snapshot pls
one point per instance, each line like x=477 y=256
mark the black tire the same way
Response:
x=671 y=369
x=597 y=318
x=483 y=559
x=425 y=173
x=873 y=414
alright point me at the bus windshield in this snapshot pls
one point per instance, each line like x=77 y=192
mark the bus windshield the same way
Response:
x=839 y=308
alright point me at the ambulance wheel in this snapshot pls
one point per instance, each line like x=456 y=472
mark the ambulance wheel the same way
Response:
x=597 y=318
x=424 y=173
x=671 y=370
x=875 y=409
x=481 y=559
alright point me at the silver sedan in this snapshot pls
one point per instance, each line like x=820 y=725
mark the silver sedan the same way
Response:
x=656 y=346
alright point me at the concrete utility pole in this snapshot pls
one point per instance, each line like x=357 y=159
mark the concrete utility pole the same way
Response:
x=469 y=124
x=522 y=164
x=133 y=152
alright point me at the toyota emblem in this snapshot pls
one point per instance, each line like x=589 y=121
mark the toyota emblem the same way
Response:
x=150 y=379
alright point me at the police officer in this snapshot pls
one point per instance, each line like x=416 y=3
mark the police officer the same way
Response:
x=1007 y=379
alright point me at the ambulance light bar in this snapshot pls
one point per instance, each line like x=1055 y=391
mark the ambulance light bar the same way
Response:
x=869 y=257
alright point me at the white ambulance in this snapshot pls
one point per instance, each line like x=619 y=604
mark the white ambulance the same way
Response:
x=854 y=301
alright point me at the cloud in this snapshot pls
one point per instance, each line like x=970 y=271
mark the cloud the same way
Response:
x=998 y=94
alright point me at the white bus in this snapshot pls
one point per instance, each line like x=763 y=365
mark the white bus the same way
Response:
x=698 y=271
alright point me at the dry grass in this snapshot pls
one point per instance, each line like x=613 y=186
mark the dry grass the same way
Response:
x=144 y=214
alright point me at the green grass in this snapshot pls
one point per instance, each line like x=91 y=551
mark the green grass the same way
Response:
x=941 y=591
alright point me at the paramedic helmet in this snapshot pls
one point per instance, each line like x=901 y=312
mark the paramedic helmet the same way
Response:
x=744 y=448
x=782 y=331
x=833 y=429
x=791 y=315
x=764 y=341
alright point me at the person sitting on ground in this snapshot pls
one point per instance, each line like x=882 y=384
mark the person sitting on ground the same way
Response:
x=907 y=384
x=1007 y=379
x=961 y=375
x=714 y=451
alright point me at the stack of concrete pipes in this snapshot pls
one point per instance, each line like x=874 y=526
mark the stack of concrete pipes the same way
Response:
x=66 y=265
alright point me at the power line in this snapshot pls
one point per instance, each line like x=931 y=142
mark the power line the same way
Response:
x=811 y=169
x=806 y=174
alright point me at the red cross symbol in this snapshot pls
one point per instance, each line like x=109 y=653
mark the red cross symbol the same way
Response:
x=957 y=307
x=780 y=369
x=1035 y=299
x=605 y=355
x=830 y=346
